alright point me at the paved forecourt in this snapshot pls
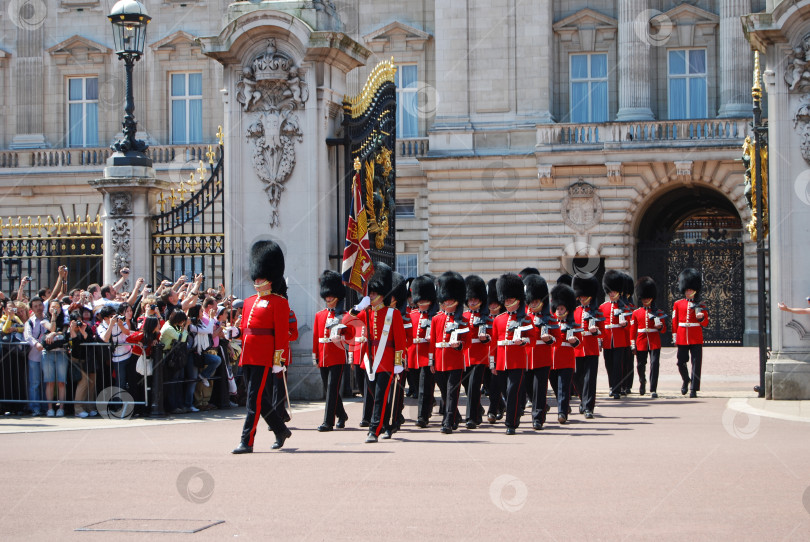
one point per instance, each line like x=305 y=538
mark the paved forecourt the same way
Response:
x=724 y=464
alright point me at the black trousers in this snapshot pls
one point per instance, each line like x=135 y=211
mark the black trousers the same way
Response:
x=449 y=383
x=473 y=378
x=497 y=385
x=427 y=387
x=398 y=399
x=381 y=390
x=332 y=378
x=279 y=395
x=696 y=352
x=614 y=358
x=627 y=370
x=585 y=379
x=655 y=362
x=561 y=382
x=413 y=382
x=368 y=397
x=514 y=389
x=539 y=382
x=259 y=403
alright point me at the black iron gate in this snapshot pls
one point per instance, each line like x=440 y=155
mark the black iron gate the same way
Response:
x=188 y=236
x=720 y=260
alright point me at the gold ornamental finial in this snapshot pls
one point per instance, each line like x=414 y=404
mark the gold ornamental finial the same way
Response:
x=210 y=155
x=357 y=164
x=756 y=90
x=162 y=201
x=202 y=170
x=220 y=135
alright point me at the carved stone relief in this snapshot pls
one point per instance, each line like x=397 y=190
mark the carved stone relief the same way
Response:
x=797 y=67
x=271 y=89
x=801 y=123
x=581 y=206
x=121 y=244
x=120 y=203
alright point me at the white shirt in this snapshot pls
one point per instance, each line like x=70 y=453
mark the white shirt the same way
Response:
x=123 y=350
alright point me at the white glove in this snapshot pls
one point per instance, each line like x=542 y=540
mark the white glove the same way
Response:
x=279 y=369
x=398 y=369
x=365 y=302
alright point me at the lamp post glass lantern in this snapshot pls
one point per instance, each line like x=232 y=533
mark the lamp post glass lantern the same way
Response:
x=129 y=21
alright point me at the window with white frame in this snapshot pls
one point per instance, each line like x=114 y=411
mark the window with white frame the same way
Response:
x=186 y=108
x=82 y=112
x=407 y=264
x=407 y=101
x=405 y=208
x=589 y=87
x=686 y=69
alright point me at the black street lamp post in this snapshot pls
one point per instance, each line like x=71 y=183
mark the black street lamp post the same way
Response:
x=129 y=20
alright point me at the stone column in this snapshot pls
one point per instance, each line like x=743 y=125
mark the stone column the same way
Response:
x=28 y=65
x=535 y=81
x=735 y=63
x=451 y=128
x=634 y=63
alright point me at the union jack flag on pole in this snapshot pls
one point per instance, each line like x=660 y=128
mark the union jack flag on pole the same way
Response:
x=357 y=266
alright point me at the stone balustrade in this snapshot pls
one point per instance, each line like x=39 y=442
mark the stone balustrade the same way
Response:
x=640 y=133
x=97 y=156
x=412 y=148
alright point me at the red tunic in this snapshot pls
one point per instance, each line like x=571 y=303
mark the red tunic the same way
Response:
x=540 y=353
x=589 y=346
x=420 y=340
x=395 y=345
x=478 y=352
x=510 y=356
x=445 y=357
x=293 y=337
x=265 y=330
x=643 y=332
x=327 y=353
x=564 y=355
x=687 y=328
x=613 y=334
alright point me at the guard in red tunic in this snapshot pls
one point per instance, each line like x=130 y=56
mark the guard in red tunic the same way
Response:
x=328 y=348
x=646 y=327
x=476 y=357
x=627 y=363
x=689 y=317
x=449 y=339
x=399 y=301
x=494 y=383
x=279 y=379
x=384 y=350
x=512 y=331
x=567 y=337
x=265 y=338
x=423 y=295
x=614 y=340
x=587 y=317
x=540 y=350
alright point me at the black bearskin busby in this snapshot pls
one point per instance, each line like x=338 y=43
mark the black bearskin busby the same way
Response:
x=399 y=290
x=645 y=289
x=267 y=262
x=381 y=282
x=565 y=278
x=451 y=286
x=627 y=286
x=492 y=293
x=562 y=294
x=690 y=279
x=422 y=289
x=613 y=281
x=585 y=286
x=509 y=286
x=332 y=285
x=526 y=271
x=536 y=290
x=476 y=289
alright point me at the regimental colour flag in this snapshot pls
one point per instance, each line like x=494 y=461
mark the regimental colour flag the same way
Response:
x=357 y=266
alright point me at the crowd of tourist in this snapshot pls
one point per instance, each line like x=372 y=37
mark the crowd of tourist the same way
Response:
x=62 y=347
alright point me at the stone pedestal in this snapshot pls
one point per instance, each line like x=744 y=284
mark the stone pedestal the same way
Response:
x=284 y=70
x=782 y=35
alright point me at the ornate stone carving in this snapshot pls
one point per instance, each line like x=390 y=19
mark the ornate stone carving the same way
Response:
x=797 y=67
x=544 y=173
x=581 y=207
x=801 y=123
x=271 y=89
x=120 y=203
x=614 y=172
x=683 y=170
x=121 y=243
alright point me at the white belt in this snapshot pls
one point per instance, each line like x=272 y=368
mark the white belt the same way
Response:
x=420 y=341
x=689 y=324
x=586 y=333
x=360 y=339
x=613 y=326
x=443 y=345
x=510 y=343
x=322 y=340
x=653 y=330
x=475 y=341
x=566 y=343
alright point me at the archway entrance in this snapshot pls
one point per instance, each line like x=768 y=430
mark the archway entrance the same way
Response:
x=697 y=227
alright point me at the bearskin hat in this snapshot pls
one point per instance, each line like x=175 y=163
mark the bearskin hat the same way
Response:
x=536 y=289
x=526 y=271
x=476 y=288
x=267 y=262
x=627 y=285
x=613 y=281
x=585 y=286
x=645 y=289
x=381 y=281
x=331 y=285
x=562 y=294
x=451 y=286
x=422 y=289
x=399 y=289
x=690 y=279
x=508 y=286
x=565 y=278
x=492 y=292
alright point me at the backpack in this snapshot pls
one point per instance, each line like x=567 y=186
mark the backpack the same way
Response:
x=175 y=358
